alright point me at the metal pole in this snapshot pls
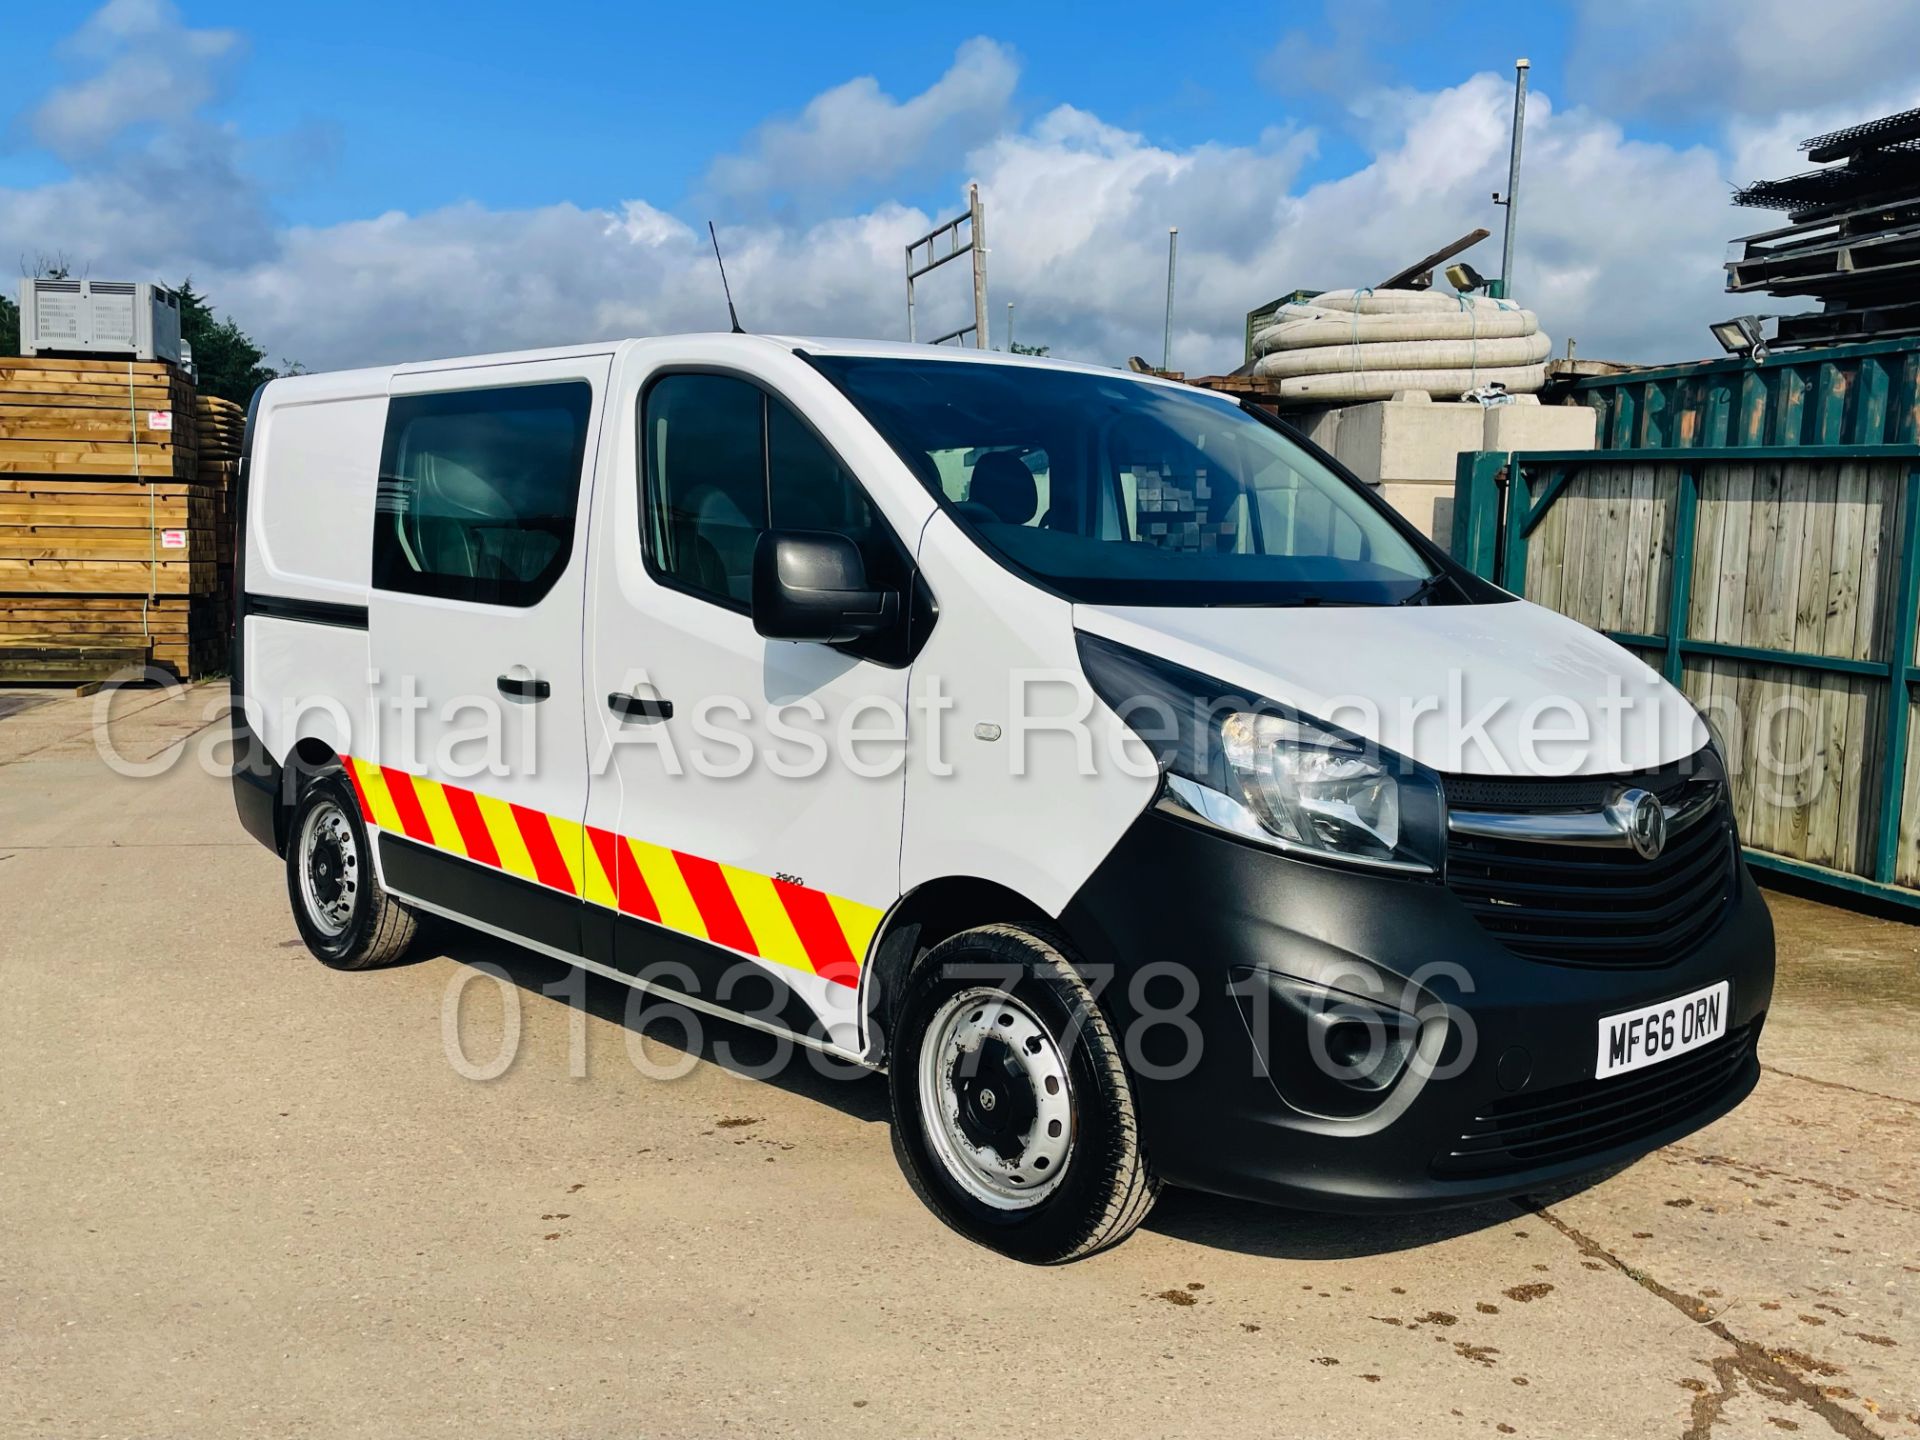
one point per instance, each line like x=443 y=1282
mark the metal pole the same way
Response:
x=1009 y=327
x=909 y=294
x=1520 y=68
x=1166 y=336
x=979 y=227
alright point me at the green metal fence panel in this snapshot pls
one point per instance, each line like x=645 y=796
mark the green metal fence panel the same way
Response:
x=1503 y=500
x=1865 y=394
x=1899 y=695
x=1477 y=478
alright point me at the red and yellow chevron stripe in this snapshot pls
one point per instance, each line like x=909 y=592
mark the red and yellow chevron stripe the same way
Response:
x=758 y=915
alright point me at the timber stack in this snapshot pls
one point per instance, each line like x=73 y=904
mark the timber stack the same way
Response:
x=115 y=541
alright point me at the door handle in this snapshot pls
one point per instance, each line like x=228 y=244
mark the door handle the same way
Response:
x=525 y=689
x=633 y=707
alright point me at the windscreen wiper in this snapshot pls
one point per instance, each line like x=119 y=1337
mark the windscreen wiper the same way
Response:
x=1426 y=587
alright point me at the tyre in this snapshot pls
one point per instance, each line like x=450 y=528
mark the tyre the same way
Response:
x=1012 y=1115
x=346 y=918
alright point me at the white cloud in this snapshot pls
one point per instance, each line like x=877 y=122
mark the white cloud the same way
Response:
x=857 y=133
x=1620 y=240
x=149 y=68
x=1637 y=56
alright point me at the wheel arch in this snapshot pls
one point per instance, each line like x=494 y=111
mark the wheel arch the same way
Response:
x=929 y=913
x=308 y=757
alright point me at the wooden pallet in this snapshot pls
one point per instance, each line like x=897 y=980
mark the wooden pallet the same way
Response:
x=70 y=664
x=221 y=426
x=188 y=635
x=116 y=534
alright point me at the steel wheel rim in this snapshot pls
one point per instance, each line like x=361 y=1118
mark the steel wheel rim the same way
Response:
x=996 y=1099
x=328 y=863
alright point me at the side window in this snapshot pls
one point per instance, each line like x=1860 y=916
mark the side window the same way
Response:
x=707 y=480
x=478 y=492
x=726 y=461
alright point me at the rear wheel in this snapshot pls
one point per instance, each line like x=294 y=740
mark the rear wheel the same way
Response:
x=346 y=918
x=1013 y=1118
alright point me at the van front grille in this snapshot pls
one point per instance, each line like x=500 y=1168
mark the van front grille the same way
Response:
x=1598 y=905
x=1588 y=1117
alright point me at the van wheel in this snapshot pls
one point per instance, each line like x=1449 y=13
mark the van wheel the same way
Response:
x=1012 y=1115
x=346 y=918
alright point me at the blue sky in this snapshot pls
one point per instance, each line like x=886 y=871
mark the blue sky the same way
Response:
x=359 y=182
x=390 y=105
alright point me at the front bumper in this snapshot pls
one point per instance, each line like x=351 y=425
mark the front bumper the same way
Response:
x=1514 y=1038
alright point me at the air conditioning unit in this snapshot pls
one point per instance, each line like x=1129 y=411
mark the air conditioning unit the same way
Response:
x=118 y=318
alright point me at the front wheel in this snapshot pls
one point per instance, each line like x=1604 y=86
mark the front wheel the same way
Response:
x=1013 y=1118
x=346 y=917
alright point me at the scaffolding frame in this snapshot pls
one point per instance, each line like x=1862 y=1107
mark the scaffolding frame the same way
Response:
x=975 y=245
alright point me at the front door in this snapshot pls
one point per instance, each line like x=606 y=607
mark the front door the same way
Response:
x=477 y=775
x=747 y=812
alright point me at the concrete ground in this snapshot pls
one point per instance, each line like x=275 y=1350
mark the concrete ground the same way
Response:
x=245 y=1195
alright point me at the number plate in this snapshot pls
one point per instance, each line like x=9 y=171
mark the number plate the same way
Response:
x=1638 y=1038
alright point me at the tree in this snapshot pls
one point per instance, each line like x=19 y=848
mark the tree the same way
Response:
x=225 y=356
x=1020 y=349
x=9 y=326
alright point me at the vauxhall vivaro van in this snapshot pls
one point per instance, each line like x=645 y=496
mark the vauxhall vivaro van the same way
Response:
x=1087 y=751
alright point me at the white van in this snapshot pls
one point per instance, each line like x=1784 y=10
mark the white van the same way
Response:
x=1085 y=750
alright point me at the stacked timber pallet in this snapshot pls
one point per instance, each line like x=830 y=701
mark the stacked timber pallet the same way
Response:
x=1853 y=237
x=112 y=527
x=221 y=426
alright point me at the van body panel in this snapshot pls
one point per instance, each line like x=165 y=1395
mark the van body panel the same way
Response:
x=1415 y=679
x=308 y=532
x=724 y=821
x=1031 y=809
x=305 y=550
x=306 y=682
x=456 y=681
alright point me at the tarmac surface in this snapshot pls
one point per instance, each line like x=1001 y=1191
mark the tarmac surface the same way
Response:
x=245 y=1195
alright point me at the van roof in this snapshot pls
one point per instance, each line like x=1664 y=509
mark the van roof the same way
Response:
x=373 y=379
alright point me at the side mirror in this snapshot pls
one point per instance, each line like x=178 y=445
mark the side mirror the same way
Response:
x=812 y=585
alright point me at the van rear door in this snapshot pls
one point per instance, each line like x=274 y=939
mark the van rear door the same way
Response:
x=476 y=775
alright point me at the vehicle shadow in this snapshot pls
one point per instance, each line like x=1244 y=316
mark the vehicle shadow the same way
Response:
x=1248 y=1228
x=1214 y=1221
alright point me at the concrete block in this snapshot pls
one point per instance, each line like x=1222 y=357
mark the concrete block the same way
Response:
x=1428 y=507
x=1540 y=427
x=1322 y=427
x=1410 y=446
x=1395 y=441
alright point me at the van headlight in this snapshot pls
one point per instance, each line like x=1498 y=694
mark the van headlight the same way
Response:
x=1270 y=774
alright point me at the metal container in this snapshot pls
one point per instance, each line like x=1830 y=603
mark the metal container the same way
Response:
x=117 y=318
x=1867 y=394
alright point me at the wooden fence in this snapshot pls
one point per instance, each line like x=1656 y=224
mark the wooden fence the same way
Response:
x=1775 y=585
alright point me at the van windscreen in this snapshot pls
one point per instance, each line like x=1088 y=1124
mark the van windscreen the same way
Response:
x=1112 y=491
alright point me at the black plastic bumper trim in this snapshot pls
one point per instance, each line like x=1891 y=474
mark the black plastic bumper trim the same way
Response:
x=1225 y=1121
x=668 y=961
x=477 y=892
